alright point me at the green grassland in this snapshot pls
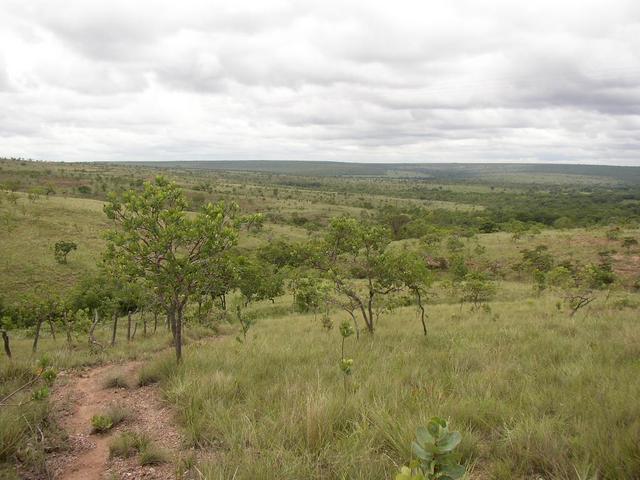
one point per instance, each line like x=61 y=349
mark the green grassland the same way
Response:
x=536 y=394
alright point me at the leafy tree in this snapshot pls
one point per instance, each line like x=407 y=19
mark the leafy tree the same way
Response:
x=157 y=241
x=62 y=248
x=476 y=288
x=309 y=293
x=281 y=254
x=538 y=259
x=412 y=271
x=219 y=279
x=352 y=257
x=95 y=294
x=258 y=280
x=579 y=285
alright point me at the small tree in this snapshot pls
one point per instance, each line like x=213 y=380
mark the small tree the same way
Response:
x=310 y=294
x=257 y=280
x=62 y=248
x=579 y=286
x=246 y=322
x=154 y=239
x=411 y=270
x=476 y=288
x=351 y=256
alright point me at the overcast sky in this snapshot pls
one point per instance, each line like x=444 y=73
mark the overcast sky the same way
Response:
x=431 y=81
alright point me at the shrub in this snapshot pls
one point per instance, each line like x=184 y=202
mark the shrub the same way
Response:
x=434 y=448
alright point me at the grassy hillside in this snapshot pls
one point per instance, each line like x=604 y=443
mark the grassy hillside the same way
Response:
x=32 y=227
x=535 y=392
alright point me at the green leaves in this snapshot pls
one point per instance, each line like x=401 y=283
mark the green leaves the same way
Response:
x=346 y=330
x=346 y=365
x=434 y=449
x=62 y=248
x=157 y=241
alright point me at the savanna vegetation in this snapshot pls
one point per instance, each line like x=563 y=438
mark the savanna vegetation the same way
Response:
x=317 y=320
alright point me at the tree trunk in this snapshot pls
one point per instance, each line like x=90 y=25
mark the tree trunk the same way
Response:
x=128 y=326
x=171 y=319
x=52 y=328
x=364 y=317
x=155 y=322
x=5 y=340
x=67 y=327
x=355 y=325
x=115 y=329
x=135 y=329
x=178 y=334
x=421 y=307
x=370 y=309
x=96 y=319
x=144 y=323
x=36 y=337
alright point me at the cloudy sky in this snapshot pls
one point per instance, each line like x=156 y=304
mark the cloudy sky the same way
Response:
x=391 y=81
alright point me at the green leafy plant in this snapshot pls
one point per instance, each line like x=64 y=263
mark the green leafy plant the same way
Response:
x=41 y=393
x=434 y=449
x=346 y=364
x=114 y=415
x=62 y=248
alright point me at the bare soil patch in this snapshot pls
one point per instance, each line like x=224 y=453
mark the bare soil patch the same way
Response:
x=79 y=396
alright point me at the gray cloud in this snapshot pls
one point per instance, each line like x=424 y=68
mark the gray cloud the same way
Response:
x=366 y=81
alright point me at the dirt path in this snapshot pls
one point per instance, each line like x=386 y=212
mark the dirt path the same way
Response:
x=80 y=396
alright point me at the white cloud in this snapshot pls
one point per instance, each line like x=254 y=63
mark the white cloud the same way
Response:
x=337 y=80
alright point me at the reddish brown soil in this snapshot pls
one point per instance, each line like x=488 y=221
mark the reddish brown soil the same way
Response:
x=80 y=396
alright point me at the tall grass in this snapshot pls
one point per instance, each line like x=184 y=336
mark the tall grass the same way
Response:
x=534 y=393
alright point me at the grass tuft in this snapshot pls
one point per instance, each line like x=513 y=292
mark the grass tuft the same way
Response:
x=156 y=371
x=129 y=444
x=116 y=381
x=114 y=415
x=153 y=455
